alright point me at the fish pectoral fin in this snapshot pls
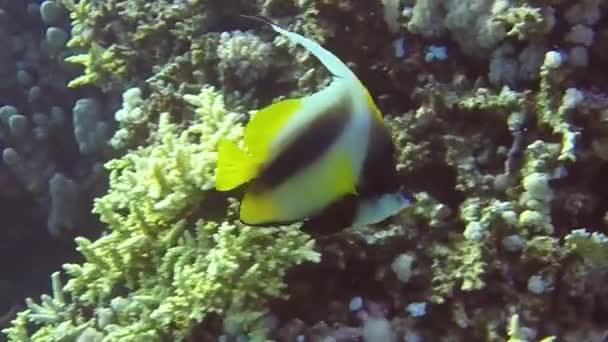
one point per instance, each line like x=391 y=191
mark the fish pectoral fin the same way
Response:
x=234 y=166
x=266 y=125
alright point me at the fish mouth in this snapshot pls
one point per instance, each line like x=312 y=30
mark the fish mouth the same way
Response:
x=406 y=197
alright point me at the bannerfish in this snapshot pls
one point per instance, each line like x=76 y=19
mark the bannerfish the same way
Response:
x=305 y=155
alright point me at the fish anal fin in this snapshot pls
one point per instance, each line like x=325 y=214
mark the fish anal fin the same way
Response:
x=234 y=166
x=266 y=125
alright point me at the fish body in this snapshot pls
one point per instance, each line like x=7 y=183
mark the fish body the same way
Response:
x=301 y=156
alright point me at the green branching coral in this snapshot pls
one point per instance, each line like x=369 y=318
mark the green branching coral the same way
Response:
x=591 y=247
x=544 y=249
x=163 y=267
x=481 y=217
x=83 y=19
x=132 y=119
x=101 y=66
x=108 y=51
x=460 y=266
x=464 y=263
x=524 y=21
x=540 y=159
x=553 y=112
x=410 y=154
x=516 y=332
x=485 y=99
x=459 y=156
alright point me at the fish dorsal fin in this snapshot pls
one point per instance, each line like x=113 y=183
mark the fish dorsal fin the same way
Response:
x=329 y=60
x=266 y=125
x=334 y=64
x=326 y=57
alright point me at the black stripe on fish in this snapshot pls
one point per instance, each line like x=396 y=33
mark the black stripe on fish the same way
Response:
x=306 y=148
x=334 y=218
x=379 y=174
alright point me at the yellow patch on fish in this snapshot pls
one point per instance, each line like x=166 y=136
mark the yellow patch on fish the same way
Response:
x=236 y=166
x=266 y=124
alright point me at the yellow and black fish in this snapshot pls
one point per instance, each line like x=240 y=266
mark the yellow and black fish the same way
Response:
x=304 y=156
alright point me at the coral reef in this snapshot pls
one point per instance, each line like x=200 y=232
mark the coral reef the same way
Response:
x=177 y=267
x=499 y=115
x=46 y=184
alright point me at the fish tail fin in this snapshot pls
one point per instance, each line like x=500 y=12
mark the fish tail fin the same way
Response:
x=234 y=166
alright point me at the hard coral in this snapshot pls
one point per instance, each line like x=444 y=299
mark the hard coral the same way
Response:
x=477 y=25
x=458 y=267
x=178 y=266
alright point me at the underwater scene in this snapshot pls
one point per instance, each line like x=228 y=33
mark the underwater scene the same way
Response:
x=304 y=170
